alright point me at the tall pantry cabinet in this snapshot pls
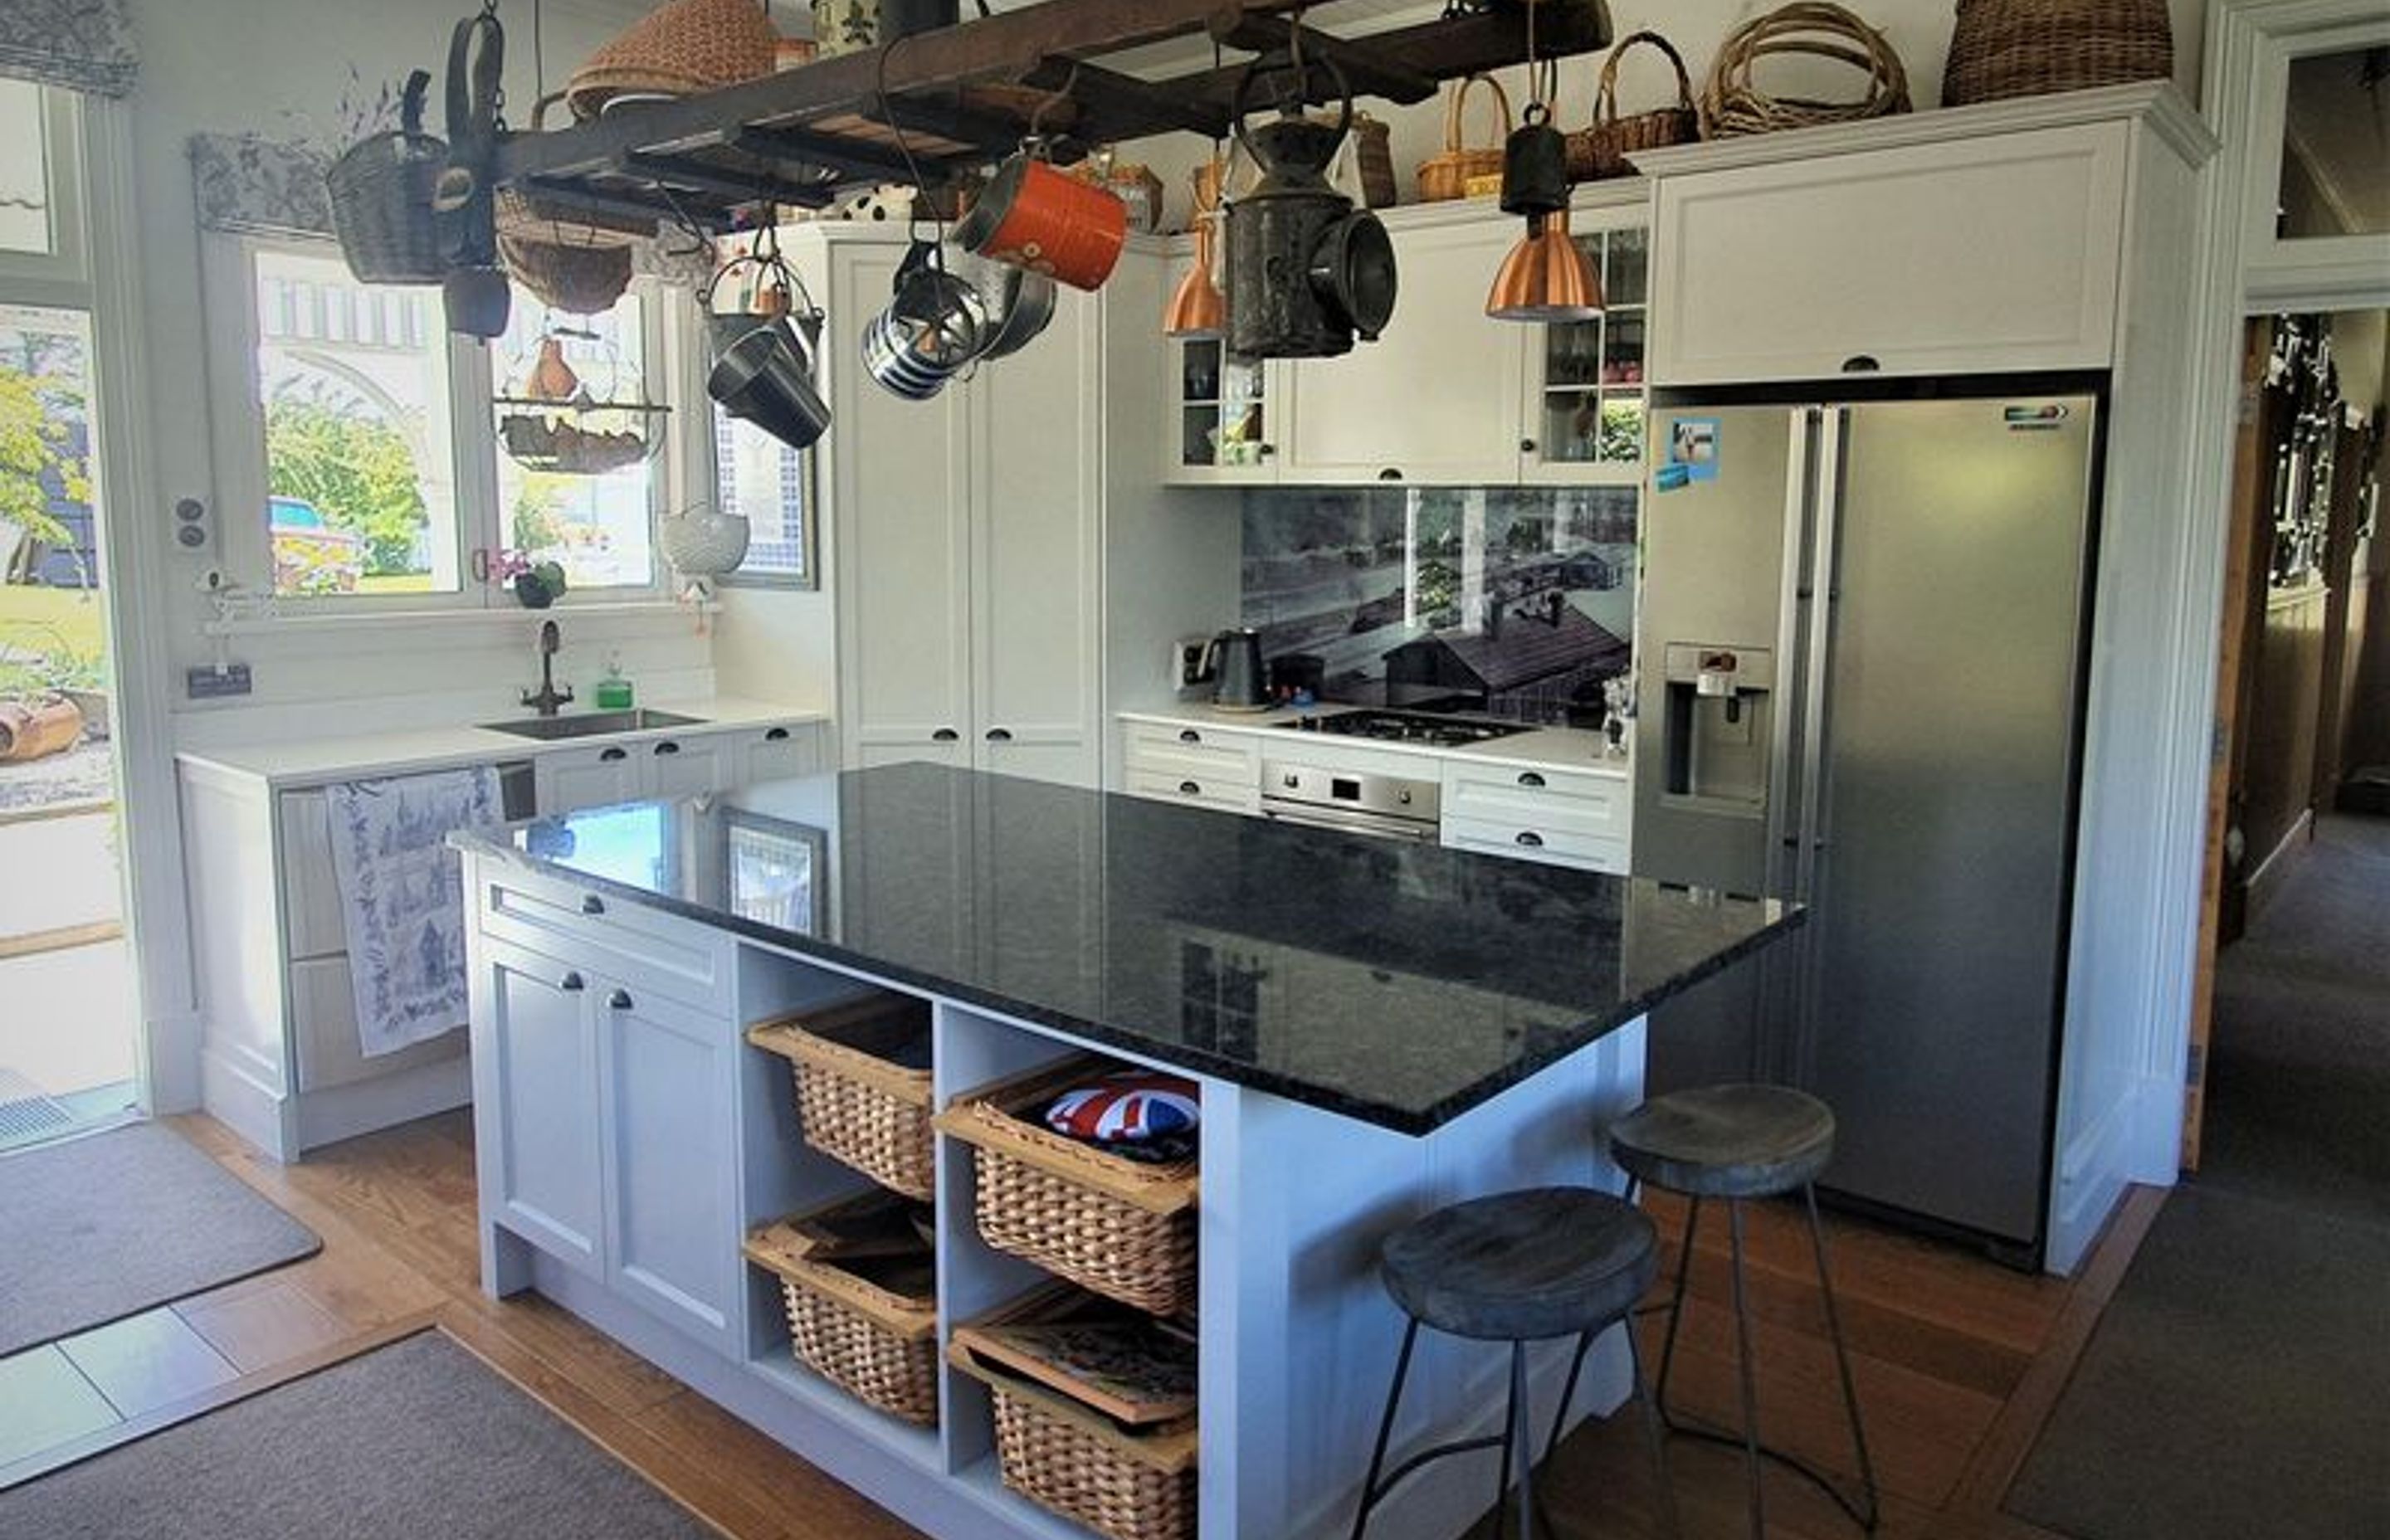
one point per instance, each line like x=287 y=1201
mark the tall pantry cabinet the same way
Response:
x=971 y=535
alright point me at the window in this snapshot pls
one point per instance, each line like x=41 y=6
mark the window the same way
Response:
x=380 y=471
x=769 y=484
x=25 y=213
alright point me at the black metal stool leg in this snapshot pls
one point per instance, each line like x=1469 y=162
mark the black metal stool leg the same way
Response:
x=1676 y=1310
x=1750 y=1380
x=1519 y=1414
x=1843 y=1363
x=1568 y=1387
x=1655 y=1434
x=1385 y=1430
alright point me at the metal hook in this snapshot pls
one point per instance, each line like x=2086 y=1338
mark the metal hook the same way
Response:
x=1059 y=94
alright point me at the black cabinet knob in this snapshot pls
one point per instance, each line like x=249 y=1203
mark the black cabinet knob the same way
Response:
x=1860 y=363
x=571 y=982
x=1389 y=474
x=592 y=905
x=776 y=735
x=1526 y=446
x=1530 y=838
x=1529 y=778
x=619 y=1000
x=945 y=735
x=1267 y=450
x=667 y=747
x=1189 y=734
x=1190 y=789
x=608 y=756
x=999 y=735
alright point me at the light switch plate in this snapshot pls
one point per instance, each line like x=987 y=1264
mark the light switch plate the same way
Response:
x=204 y=682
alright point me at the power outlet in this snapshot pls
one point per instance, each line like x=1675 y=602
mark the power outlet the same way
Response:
x=1186 y=660
x=208 y=682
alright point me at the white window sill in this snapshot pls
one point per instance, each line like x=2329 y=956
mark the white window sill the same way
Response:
x=493 y=619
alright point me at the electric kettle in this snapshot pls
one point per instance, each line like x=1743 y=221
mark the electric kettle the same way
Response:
x=1233 y=661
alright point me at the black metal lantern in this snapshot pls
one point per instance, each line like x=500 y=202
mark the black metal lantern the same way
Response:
x=1306 y=270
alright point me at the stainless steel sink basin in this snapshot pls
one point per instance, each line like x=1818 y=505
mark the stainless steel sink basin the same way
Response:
x=592 y=724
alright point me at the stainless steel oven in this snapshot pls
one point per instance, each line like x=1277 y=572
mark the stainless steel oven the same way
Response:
x=1400 y=807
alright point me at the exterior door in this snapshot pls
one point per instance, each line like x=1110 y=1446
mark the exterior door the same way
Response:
x=535 y=1052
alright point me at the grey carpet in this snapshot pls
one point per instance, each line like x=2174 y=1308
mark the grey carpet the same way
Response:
x=2236 y=1386
x=96 y=1228
x=414 y=1441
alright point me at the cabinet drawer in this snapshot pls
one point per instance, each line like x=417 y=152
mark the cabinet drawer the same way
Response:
x=643 y=948
x=1235 y=793
x=1166 y=749
x=324 y=1031
x=1539 y=799
x=1555 y=845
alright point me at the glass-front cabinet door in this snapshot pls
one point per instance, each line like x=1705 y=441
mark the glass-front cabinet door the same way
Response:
x=1220 y=417
x=1586 y=382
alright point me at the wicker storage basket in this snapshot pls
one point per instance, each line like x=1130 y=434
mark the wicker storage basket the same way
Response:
x=1602 y=149
x=877 y=1343
x=1124 y=1229
x=1373 y=160
x=1450 y=173
x=380 y=193
x=677 y=50
x=1732 y=104
x=1059 y=1450
x=856 y=1103
x=2003 y=48
x=580 y=280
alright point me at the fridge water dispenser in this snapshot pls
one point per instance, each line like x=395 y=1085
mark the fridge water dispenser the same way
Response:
x=1719 y=713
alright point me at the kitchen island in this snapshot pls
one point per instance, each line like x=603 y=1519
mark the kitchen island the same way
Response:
x=1377 y=1028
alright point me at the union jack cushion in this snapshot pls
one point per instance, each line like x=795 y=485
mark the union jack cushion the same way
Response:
x=1127 y=1107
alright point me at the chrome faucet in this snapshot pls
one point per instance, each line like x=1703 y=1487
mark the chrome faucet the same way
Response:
x=548 y=697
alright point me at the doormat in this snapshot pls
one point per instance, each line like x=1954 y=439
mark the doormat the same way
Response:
x=419 y=1438
x=97 y=1228
x=27 y=1114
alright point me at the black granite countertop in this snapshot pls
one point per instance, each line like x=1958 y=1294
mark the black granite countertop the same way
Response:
x=1398 y=983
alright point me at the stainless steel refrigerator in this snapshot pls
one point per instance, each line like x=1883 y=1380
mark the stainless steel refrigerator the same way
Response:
x=1860 y=685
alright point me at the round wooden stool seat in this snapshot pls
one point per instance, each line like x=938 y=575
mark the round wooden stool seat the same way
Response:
x=1725 y=1141
x=1519 y=1266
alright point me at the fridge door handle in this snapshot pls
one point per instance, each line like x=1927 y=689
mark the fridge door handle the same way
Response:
x=1817 y=659
x=1783 y=831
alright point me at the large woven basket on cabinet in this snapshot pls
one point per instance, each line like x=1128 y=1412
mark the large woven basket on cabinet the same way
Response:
x=2003 y=48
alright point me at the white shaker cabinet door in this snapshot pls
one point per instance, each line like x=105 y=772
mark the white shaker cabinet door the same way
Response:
x=672 y=1228
x=777 y=753
x=595 y=776
x=535 y=1057
x=688 y=766
x=1436 y=399
x=1035 y=573
x=1997 y=254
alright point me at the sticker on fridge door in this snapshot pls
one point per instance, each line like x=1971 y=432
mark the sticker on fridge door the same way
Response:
x=1692 y=450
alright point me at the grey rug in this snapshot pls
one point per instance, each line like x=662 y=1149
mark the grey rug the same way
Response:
x=95 y=1229
x=410 y=1442
x=2235 y=1387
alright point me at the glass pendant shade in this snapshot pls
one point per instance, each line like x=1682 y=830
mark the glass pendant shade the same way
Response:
x=1545 y=278
x=1197 y=309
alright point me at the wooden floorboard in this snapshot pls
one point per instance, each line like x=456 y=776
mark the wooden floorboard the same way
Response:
x=1959 y=1360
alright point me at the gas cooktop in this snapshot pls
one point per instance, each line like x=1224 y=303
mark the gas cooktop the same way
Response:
x=1440 y=732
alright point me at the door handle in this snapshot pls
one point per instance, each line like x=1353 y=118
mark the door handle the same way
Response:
x=775 y=734
x=1530 y=838
x=569 y=983
x=999 y=735
x=667 y=747
x=1530 y=779
x=945 y=735
x=592 y=905
x=619 y=1000
x=609 y=756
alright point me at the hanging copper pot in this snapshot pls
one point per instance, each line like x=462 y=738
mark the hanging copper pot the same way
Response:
x=1306 y=270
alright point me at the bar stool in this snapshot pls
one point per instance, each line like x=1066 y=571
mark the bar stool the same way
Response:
x=1736 y=1142
x=1519 y=1267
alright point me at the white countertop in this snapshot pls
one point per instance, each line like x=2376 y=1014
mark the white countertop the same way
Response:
x=1542 y=748
x=313 y=760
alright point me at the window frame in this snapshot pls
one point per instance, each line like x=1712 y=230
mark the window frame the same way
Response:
x=228 y=268
x=808 y=536
x=59 y=278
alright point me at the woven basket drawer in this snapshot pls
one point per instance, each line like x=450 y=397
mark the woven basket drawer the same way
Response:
x=878 y=1346
x=854 y=1102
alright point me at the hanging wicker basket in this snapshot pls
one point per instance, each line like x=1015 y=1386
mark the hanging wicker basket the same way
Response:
x=2003 y=48
x=1448 y=175
x=1601 y=149
x=677 y=50
x=380 y=193
x=1733 y=104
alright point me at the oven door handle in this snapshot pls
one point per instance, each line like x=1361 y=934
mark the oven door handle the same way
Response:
x=1349 y=823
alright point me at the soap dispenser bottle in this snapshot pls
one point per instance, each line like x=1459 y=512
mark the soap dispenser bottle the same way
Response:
x=613 y=691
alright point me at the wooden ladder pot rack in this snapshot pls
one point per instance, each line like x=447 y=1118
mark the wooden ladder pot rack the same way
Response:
x=963 y=97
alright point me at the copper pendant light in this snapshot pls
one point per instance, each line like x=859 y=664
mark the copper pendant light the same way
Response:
x=1197 y=309
x=1545 y=278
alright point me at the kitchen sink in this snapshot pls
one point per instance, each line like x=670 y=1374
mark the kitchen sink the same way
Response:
x=592 y=724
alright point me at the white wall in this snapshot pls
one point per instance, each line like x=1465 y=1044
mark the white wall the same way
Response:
x=1918 y=31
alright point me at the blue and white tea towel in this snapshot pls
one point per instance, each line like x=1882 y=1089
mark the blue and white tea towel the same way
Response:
x=404 y=895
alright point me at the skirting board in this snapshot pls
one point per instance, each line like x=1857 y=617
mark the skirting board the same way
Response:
x=285 y=1126
x=2266 y=880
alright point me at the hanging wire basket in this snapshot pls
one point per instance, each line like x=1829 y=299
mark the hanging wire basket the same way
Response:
x=578 y=421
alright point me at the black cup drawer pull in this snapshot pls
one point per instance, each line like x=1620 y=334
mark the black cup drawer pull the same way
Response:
x=667 y=747
x=1190 y=788
x=610 y=756
x=569 y=983
x=592 y=905
x=776 y=735
x=1530 y=838
x=999 y=735
x=619 y=1000
x=1529 y=778
x=1189 y=734
x=945 y=735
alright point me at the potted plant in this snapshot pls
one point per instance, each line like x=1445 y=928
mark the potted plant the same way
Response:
x=537 y=585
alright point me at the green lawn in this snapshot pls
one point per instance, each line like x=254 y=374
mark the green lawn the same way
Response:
x=44 y=620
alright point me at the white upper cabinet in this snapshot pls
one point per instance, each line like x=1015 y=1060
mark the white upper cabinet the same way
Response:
x=1436 y=399
x=1994 y=252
